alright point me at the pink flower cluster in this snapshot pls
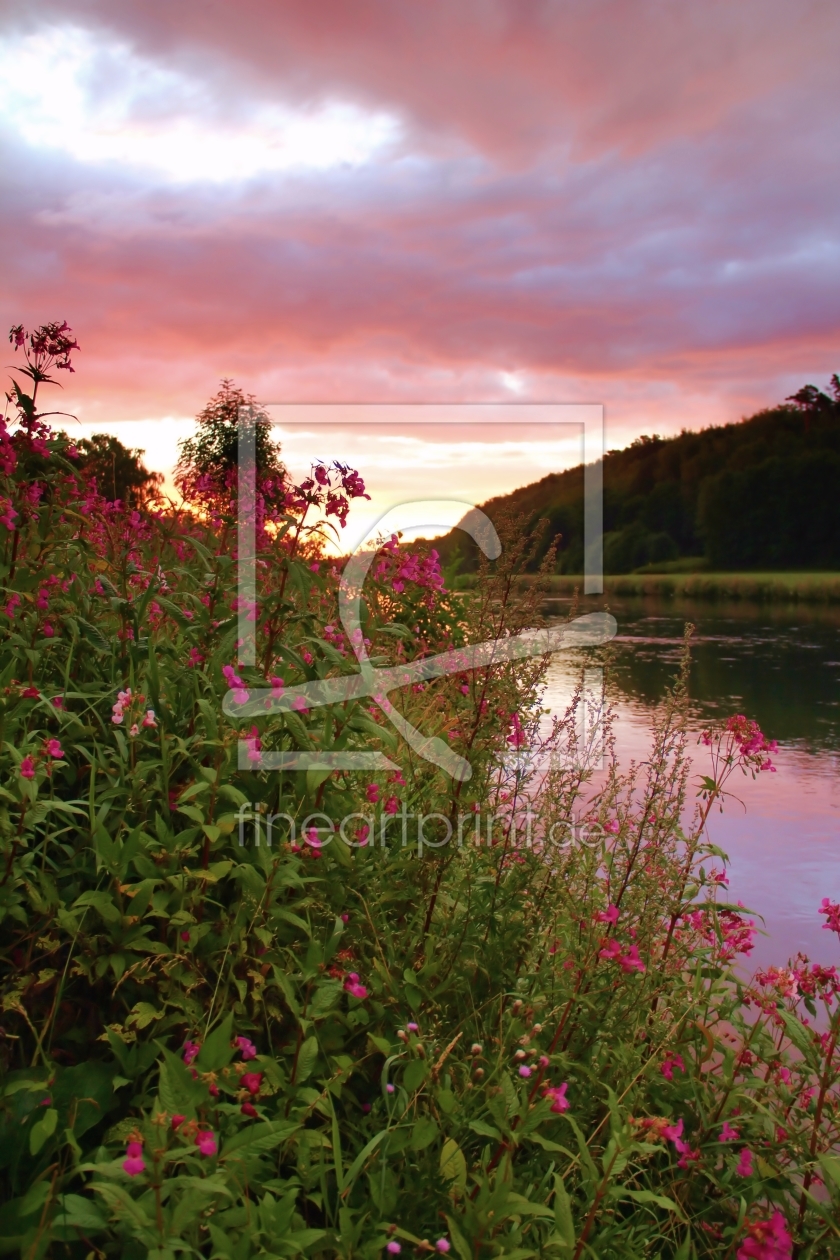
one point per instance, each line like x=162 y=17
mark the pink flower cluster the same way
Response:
x=767 y=1240
x=353 y=987
x=134 y=1164
x=831 y=910
x=613 y=951
x=398 y=568
x=236 y=684
x=52 y=752
x=517 y=735
x=557 y=1094
x=125 y=700
x=669 y=1063
x=673 y=1132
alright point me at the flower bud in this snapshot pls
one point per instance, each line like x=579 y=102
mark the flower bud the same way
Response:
x=476 y=1048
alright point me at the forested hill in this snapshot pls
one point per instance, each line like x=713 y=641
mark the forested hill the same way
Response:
x=760 y=494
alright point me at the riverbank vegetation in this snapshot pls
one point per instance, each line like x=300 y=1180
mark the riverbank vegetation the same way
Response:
x=524 y=1029
x=774 y=588
x=758 y=496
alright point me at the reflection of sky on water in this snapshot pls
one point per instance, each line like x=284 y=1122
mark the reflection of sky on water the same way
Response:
x=781 y=667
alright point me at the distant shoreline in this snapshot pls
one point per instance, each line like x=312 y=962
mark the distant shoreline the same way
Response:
x=812 y=588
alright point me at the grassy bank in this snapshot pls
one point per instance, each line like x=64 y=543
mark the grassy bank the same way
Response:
x=761 y=587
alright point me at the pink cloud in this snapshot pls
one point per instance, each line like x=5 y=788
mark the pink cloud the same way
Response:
x=627 y=203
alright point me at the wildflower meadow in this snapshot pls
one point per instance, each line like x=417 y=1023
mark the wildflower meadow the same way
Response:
x=253 y=1012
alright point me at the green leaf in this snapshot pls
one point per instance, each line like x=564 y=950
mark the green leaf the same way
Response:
x=563 y=1212
x=648 y=1196
x=463 y=1248
x=424 y=1133
x=257 y=1139
x=796 y=1032
x=830 y=1165
x=178 y=1091
x=217 y=1050
x=453 y=1165
x=485 y=1130
x=102 y=902
x=93 y=635
x=306 y=1059
x=414 y=1075
x=76 y=1212
x=42 y=1130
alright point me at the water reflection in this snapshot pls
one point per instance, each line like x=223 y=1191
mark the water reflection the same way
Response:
x=781 y=666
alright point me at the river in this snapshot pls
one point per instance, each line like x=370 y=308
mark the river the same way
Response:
x=777 y=664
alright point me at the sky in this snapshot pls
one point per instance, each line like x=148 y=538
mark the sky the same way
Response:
x=625 y=202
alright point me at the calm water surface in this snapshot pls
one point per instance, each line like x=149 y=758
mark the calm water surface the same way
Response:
x=780 y=666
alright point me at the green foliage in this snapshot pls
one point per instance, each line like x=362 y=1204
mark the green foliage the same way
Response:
x=753 y=495
x=314 y=1046
x=119 y=471
x=208 y=461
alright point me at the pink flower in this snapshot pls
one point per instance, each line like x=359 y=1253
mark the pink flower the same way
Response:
x=248 y=1109
x=253 y=743
x=524 y=1071
x=134 y=1163
x=443 y=1245
x=191 y=1049
x=669 y=1063
x=247 y=1048
x=53 y=748
x=767 y=1240
x=831 y=909
x=391 y=806
x=27 y=768
x=149 y=719
x=745 y=1164
x=30 y=693
x=277 y=685
x=299 y=705
x=412 y=1027
x=610 y=915
x=345 y=918
x=545 y=1061
x=631 y=960
x=352 y=986
x=177 y=1120
x=237 y=686
x=727 y=1133
x=673 y=1132
x=393 y=1248
x=613 y=826
x=206 y=1142
x=135 y=730
x=611 y=951
x=559 y=1101
x=48 y=632
x=372 y=793
x=389 y=1089
x=252 y=1081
